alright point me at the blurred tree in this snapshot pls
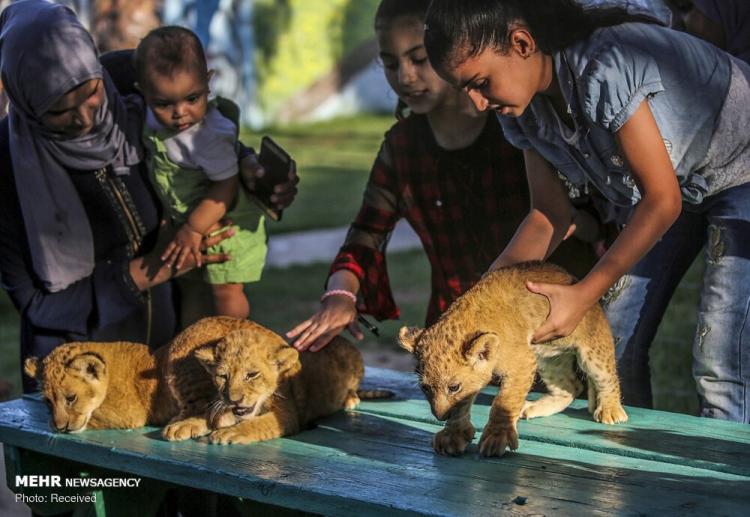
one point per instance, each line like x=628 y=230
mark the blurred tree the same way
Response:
x=307 y=49
x=278 y=59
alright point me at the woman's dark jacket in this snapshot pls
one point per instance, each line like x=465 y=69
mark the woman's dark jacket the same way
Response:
x=106 y=306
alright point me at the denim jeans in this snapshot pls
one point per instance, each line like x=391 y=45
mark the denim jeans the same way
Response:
x=721 y=348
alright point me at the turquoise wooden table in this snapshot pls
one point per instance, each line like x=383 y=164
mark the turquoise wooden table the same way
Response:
x=378 y=460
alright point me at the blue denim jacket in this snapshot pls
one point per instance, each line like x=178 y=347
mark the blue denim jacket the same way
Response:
x=604 y=79
x=656 y=9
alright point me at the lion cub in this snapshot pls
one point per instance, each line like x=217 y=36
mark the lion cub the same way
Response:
x=249 y=385
x=487 y=332
x=89 y=385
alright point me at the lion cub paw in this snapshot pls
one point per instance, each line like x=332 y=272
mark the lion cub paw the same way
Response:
x=352 y=400
x=610 y=414
x=533 y=409
x=453 y=441
x=185 y=429
x=230 y=435
x=495 y=440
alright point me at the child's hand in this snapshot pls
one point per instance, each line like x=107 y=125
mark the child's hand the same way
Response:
x=186 y=244
x=567 y=306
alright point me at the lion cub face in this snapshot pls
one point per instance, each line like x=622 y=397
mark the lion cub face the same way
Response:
x=452 y=366
x=72 y=386
x=247 y=368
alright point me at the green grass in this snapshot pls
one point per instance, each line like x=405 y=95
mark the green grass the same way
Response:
x=286 y=297
x=334 y=160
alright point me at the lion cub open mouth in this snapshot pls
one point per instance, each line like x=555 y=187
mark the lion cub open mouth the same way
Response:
x=242 y=411
x=239 y=382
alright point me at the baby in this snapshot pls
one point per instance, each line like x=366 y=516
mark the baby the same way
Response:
x=192 y=159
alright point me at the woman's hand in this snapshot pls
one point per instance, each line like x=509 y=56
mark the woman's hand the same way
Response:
x=336 y=313
x=567 y=306
x=283 y=194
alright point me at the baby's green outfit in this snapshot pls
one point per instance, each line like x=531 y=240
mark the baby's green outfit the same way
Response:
x=183 y=165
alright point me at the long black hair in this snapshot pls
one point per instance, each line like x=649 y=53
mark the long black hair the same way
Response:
x=389 y=10
x=459 y=29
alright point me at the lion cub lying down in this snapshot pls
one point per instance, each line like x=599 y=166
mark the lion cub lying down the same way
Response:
x=92 y=385
x=243 y=383
x=218 y=373
x=487 y=332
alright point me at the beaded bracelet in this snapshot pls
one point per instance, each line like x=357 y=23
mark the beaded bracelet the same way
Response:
x=339 y=292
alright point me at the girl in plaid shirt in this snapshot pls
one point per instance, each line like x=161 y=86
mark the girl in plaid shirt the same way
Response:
x=447 y=169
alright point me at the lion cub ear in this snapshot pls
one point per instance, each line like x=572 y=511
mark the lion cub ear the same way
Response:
x=90 y=365
x=32 y=367
x=408 y=336
x=286 y=358
x=480 y=349
x=206 y=356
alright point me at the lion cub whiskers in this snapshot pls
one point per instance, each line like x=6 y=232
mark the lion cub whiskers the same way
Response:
x=238 y=382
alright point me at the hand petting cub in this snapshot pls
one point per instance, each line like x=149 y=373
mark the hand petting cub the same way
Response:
x=487 y=333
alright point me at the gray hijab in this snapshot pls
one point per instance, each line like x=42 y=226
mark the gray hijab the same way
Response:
x=44 y=53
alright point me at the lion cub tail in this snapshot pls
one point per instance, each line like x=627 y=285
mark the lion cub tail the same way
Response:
x=375 y=394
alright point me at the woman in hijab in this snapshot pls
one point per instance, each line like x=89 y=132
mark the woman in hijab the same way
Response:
x=79 y=222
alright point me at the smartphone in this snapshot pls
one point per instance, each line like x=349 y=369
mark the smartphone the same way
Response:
x=276 y=162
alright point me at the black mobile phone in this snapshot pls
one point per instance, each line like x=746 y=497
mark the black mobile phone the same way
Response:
x=276 y=162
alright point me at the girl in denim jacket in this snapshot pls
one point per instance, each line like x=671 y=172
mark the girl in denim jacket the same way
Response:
x=656 y=121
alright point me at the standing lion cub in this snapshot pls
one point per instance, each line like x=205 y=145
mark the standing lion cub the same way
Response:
x=487 y=333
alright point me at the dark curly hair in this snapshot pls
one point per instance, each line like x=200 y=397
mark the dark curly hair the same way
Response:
x=167 y=50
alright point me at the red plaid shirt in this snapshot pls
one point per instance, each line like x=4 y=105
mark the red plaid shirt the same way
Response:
x=465 y=205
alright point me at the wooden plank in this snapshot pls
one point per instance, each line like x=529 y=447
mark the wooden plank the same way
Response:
x=675 y=438
x=367 y=464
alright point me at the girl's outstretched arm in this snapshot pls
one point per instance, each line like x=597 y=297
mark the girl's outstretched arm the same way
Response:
x=336 y=313
x=548 y=221
x=643 y=148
